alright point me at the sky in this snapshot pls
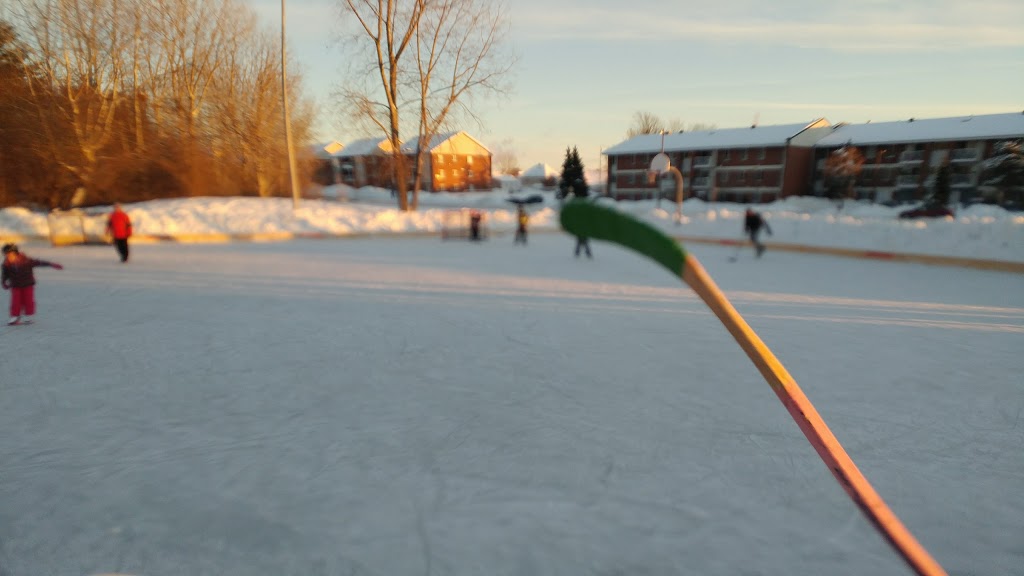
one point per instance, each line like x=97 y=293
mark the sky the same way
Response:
x=403 y=405
x=585 y=67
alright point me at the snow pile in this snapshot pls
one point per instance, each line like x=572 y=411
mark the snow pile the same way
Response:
x=979 y=231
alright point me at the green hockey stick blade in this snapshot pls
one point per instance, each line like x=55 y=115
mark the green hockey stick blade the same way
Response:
x=591 y=220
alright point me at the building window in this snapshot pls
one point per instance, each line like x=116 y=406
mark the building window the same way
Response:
x=726 y=155
x=743 y=154
x=763 y=154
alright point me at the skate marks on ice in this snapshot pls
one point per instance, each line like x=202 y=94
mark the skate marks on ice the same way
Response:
x=883 y=312
x=419 y=284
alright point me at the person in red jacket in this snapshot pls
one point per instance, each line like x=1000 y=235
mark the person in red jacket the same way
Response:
x=17 y=276
x=120 y=227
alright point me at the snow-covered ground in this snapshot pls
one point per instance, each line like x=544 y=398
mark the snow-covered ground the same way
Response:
x=978 y=231
x=403 y=405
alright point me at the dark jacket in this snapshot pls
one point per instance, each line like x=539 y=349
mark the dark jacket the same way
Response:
x=18 y=274
x=753 y=222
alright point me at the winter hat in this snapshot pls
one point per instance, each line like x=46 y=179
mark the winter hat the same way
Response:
x=10 y=248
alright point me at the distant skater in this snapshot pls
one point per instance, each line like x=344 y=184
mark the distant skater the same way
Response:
x=17 y=277
x=583 y=243
x=474 y=225
x=120 y=227
x=752 y=224
x=522 y=219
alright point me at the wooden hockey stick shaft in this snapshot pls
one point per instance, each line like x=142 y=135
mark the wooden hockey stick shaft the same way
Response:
x=813 y=426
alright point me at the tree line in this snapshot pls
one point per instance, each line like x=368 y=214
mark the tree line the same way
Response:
x=128 y=100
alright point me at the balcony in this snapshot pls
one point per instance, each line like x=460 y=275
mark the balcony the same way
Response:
x=961 y=180
x=701 y=182
x=908 y=181
x=702 y=162
x=912 y=157
x=964 y=155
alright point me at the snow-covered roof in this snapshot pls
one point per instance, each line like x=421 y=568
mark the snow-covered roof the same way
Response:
x=540 y=170
x=410 y=146
x=365 y=146
x=716 y=139
x=328 y=150
x=439 y=139
x=984 y=127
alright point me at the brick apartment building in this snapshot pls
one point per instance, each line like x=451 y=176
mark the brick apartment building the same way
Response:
x=901 y=158
x=763 y=163
x=754 y=164
x=454 y=162
x=366 y=162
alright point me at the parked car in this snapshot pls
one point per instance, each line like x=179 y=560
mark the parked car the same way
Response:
x=531 y=199
x=927 y=212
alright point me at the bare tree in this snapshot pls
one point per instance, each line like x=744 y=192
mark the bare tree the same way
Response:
x=387 y=29
x=644 y=123
x=459 y=56
x=842 y=167
x=20 y=141
x=431 y=59
x=648 y=123
x=1003 y=173
x=505 y=159
x=697 y=127
x=246 y=108
x=140 y=98
x=194 y=38
x=77 y=47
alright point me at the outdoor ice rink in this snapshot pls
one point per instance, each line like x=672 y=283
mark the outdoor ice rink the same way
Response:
x=396 y=406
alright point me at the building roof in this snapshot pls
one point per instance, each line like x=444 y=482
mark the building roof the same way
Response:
x=540 y=170
x=327 y=150
x=439 y=139
x=716 y=139
x=984 y=127
x=365 y=146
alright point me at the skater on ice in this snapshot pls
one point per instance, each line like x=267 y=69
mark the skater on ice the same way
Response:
x=474 y=225
x=752 y=224
x=583 y=244
x=17 y=277
x=522 y=219
x=119 y=225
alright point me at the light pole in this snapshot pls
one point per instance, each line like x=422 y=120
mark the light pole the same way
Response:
x=293 y=173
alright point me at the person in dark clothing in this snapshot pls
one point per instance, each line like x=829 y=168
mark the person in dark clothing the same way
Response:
x=17 y=277
x=752 y=224
x=120 y=227
x=583 y=243
x=522 y=219
x=474 y=225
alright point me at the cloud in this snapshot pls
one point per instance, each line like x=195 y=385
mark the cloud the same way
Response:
x=883 y=27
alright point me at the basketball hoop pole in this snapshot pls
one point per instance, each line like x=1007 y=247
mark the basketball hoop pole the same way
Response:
x=661 y=164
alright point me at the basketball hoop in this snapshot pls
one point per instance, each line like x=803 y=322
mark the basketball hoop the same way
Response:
x=660 y=163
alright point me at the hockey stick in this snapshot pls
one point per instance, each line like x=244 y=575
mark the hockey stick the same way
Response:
x=586 y=219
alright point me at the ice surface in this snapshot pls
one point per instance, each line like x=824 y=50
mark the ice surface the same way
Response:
x=407 y=406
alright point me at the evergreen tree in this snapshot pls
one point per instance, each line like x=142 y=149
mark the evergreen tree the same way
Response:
x=941 y=188
x=572 y=181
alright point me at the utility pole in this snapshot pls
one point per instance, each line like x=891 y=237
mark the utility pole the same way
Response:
x=292 y=170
